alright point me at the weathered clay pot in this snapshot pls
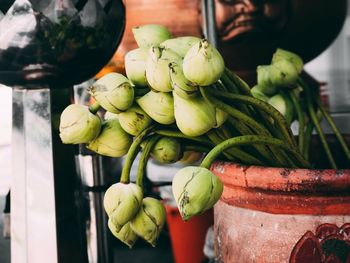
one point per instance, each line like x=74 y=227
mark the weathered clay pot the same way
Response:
x=282 y=215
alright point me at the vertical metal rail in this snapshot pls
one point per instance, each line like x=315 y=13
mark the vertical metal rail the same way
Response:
x=209 y=21
x=46 y=223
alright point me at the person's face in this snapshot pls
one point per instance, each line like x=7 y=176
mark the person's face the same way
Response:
x=250 y=18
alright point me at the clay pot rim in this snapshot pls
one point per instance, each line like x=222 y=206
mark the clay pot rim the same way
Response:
x=329 y=181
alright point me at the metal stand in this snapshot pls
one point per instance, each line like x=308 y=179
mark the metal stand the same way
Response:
x=46 y=224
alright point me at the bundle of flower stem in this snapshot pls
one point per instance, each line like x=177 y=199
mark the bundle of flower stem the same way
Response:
x=178 y=98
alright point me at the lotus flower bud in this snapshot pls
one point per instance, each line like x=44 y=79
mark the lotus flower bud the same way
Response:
x=78 y=125
x=257 y=93
x=282 y=54
x=113 y=141
x=180 y=45
x=196 y=189
x=167 y=150
x=135 y=66
x=159 y=106
x=284 y=105
x=264 y=81
x=220 y=117
x=203 y=64
x=122 y=202
x=134 y=120
x=114 y=92
x=183 y=87
x=283 y=74
x=150 y=35
x=126 y=235
x=157 y=68
x=194 y=116
x=150 y=220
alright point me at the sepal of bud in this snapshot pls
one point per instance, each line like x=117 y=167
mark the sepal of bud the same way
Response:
x=126 y=234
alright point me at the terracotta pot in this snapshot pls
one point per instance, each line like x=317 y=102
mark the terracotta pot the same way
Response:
x=282 y=215
x=188 y=238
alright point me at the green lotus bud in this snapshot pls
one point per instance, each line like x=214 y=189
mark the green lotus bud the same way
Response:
x=167 y=150
x=284 y=74
x=282 y=54
x=180 y=45
x=150 y=220
x=134 y=120
x=122 y=202
x=196 y=189
x=78 y=125
x=159 y=106
x=258 y=93
x=157 y=68
x=203 y=64
x=150 y=35
x=113 y=141
x=113 y=91
x=220 y=117
x=264 y=80
x=135 y=66
x=183 y=87
x=126 y=234
x=284 y=105
x=194 y=116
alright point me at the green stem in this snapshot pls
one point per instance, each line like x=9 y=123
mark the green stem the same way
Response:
x=195 y=148
x=94 y=107
x=307 y=140
x=335 y=130
x=134 y=148
x=239 y=83
x=315 y=121
x=301 y=120
x=275 y=114
x=178 y=134
x=146 y=152
x=247 y=140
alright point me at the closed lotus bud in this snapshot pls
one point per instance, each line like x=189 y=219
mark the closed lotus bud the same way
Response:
x=284 y=105
x=283 y=74
x=282 y=54
x=196 y=189
x=194 y=116
x=157 y=68
x=126 y=234
x=134 y=120
x=183 y=87
x=135 y=66
x=264 y=80
x=203 y=64
x=167 y=150
x=159 y=106
x=150 y=35
x=257 y=93
x=113 y=141
x=180 y=45
x=220 y=117
x=150 y=220
x=78 y=124
x=114 y=92
x=122 y=202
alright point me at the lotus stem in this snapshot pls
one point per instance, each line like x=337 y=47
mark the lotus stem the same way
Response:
x=134 y=148
x=146 y=152
x=301 y=120
x=178 y=134
x=94 y=107
x=251 y=139
x=307 y=140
